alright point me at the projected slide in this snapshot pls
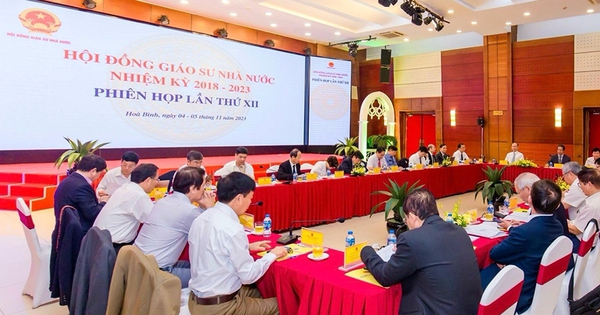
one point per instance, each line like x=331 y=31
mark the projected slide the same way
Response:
x=88 y=76
x=330 y=86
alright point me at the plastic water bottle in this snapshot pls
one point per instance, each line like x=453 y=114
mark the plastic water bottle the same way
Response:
x=551 y=164
x=350 y=239
x=267 y=223
x=504 y=207
x=410 y=166
x=391 y=240
x=273 y=179
x=295 y=177
x=490 y=211
x=449 y=218
x=328 y=172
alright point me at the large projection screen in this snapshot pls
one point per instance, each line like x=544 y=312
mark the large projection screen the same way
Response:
x=330 y=88
x=88 y=76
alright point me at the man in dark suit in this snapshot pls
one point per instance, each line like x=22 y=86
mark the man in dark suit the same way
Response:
x=348 y=163
x=290 y=167
x=76 y=190
x=431 y=154
x=527 y=243
x=440 y=156
x=434 y=261
x=560 y=156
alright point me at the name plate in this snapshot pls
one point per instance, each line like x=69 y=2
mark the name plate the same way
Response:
x=513 y=203
x=311 y=176
x=247 y=221
x=503 y=162
x=352 y=255
x=436 y=164
x=264 y=181
x=558 y=165
x=311 y=237
x=455 y=162
x=394 y=168
x=377 y=170
x=419 y=166
x=339 y=174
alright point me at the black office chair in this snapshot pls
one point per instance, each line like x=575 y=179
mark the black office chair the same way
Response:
x=403 y=162
x=168 y=176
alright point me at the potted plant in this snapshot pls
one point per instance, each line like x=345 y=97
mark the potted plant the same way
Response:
x=494 y=188
x=77 y=151
x=346 y=147
x=376 y=141
x=396 y=194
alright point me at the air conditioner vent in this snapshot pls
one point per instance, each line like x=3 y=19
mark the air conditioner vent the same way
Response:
x=391 y=34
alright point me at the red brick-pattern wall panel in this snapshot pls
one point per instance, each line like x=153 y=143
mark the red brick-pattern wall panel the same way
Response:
x=533 y=49
x=543 y=83
x=543 y=65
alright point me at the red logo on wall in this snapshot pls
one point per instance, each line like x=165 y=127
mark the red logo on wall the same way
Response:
x=331 y=64
x=40 y=20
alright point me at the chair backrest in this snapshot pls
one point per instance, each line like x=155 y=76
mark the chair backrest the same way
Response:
x=585 y=248
x=273 y=169
x=550 y=276
x=29 y=228
x=502 y=294
x=220 y=172
x=306 y=166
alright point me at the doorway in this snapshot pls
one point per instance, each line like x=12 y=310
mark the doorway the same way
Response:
x=420 y=131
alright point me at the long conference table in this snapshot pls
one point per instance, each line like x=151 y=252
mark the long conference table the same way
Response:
x=313 y=202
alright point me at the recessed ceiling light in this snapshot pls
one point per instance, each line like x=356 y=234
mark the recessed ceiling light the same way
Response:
x=225 y=1
x=406 y=39
x=458 y=31
x=590 y=11
x=307 y=34
x=233 y=14
x=526 y=14
x=450 y=11
x=430 y=29
x=508 y=23
x=273 y=25
x=474 y=23
x=337 y=33
x=307 y=24
x=268 y=14
x=184 y=2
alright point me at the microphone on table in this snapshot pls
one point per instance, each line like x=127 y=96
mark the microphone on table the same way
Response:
x=258 y=203
x=291 y=238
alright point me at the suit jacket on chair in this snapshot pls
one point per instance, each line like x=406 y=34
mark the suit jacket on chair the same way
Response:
x=66 y=242
x=565 y=159
x=437 y=267
x=285 y=170
x=77 y=192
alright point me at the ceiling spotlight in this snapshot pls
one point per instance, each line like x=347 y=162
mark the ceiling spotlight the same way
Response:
x=387 y=3
x=590 y=11
x=352 y=49
x=89 y=4
x=269 y=43
x=428 y=19
x=337 y=33
x=450 y=11
x=407 y=7
x=164 y=20
x=417 y=19
x=439 y=25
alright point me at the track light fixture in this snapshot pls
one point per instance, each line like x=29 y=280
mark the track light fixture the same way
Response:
x=352 y=49
x=416 y=10
x=164 y=20
x=89 y=4
x=353 y=45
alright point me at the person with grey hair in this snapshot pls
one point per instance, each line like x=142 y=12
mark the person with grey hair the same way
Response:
x=434 y=261
x=431 y=153
x=523 y=184
x=573 y=198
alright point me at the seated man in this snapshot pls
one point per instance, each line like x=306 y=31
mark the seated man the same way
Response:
x=290 y=167
x=118 y=176
x=597 y=163
x=239 y=164
x=434 y=261
x=165 y=232
x=574 y=197
x=589 y=181
x=76 y=190
x=514 y=155
x=129 y=206
x=350 y=162
x=222 y=267
x=460 y=155
x=321 y=167
x=591 y=161
x=377 y=160
x=390 y=156
x=420 y=157
x=526 y=244
x=441 y=156
x=560 y=156
x=431 y=154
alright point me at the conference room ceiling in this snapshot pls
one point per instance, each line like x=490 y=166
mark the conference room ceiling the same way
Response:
x=334 y=21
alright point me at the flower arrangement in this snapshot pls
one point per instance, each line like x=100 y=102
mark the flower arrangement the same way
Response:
x=560 y=181
x=524 y=163
x=447 y=161
x=358 y=169
x=460 y=219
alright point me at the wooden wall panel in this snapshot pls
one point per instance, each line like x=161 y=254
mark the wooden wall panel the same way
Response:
x=543 y=83
x=544 y=47
x=462 y=87
x=534 y=101
x=206 y=25
x=462 y=72
x=543 y=65
x=177 y=19
x=463 y=102
x=462 y=56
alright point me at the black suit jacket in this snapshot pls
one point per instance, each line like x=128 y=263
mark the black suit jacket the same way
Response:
x=437 y=267
x=285 y=171
x=565 y=159
x=77 y=192
x=439 y=157
x=346 y=165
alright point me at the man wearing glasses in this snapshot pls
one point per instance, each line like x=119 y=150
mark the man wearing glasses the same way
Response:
x=118 y=176
x=129 y=206
x=574 y=196
x=589 y=182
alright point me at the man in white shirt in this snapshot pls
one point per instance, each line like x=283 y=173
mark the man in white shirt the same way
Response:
x=321 y=167
x=574 y=197
x=194 y=159
x=165 y=232
x=239 y=164
x=460 y=155
x=591 y=161
x=221 y=264
x=514 y=155
x=589 y=181
x=377 y=159
x=420 y=157
x=129 y=206
x=118 y=176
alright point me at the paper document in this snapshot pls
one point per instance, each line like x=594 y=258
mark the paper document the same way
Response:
x=518 y=216
x=386 y=252
x=485 y=229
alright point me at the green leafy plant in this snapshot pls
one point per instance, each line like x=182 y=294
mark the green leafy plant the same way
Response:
x=77 y=151
x=494 y=187
x=524 y=163
x=346 y=147
x=396 y=194
x=358 y=169
x=447 y=161
x=383 y=141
